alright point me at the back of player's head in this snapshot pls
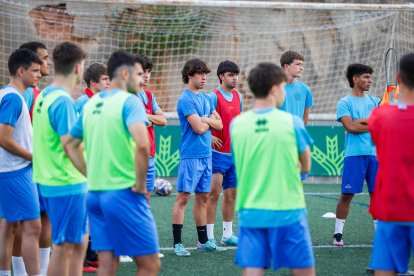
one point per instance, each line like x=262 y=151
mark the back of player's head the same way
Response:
x=263 y=77
x=357 y=69
x=146 y=62
x=65 y=56
x=192 y=67
x=406 y=70
x=289 y=56
x=22 y=58
x=94 y=72
x=227 y=66
x=119 y=59
x=33 y=46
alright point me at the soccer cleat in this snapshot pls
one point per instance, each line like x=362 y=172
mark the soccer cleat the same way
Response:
x=125 y=259
x=209 y=246
x=179 y=250
x=160 y=255
x=87 y=268
x=232 y=241
x=93 y=263
x=337 y=240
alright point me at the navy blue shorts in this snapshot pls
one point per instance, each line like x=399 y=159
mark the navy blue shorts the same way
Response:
x=121 y=221
x=224 y=164
x=67 y=215
x=356 y=170
x=151 y=174
x=18 y=195
x=393 y=244
x=287 y=246
x=194 y=175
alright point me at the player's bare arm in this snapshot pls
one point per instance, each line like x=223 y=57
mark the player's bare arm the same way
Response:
x=305 y=161
x=9 y=144
x=74 y=150
x=214 y=121
x=354 y=126
x=306 y=116
x=138 y=132
x=158 y=118
x=197 y=124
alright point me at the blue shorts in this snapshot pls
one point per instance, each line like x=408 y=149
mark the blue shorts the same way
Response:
x=121 y=221
x=41 y=200
x=393 y=244
x=356 y=170
x=287 y=246
x=67 y=215
x=194 y=175
x=18 y=195
x=224 y=164
x=151 y=174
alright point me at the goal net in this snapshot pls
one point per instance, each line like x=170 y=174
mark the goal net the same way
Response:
x=330 y=39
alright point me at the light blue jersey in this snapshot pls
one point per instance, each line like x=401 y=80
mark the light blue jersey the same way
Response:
x=144 y=99
x=298 y=97
x=357 y=144
x=28 y=96
x=194 y=145
x=80 y=102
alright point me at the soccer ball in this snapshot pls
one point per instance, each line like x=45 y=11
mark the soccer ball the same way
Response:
x=162 y=187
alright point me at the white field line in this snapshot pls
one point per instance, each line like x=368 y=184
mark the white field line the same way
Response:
x=314 y=246
x=313 y=193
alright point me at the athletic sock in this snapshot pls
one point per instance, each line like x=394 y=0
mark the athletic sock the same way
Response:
x=375 y=224
x=5 y=272
x=202 y=234
x=44 y=254
x=210 y=231
x=177 y=228
x=18 y=266
x=339 y=225
x=227 y=229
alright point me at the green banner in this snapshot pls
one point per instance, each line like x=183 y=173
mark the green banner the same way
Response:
x=327 y=151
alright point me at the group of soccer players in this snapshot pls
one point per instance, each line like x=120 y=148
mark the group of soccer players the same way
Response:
x=93 y=164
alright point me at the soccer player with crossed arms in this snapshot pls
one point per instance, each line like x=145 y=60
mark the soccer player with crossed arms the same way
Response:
x=228 y=104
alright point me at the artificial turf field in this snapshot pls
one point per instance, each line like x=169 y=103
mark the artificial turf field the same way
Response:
x=352 y=259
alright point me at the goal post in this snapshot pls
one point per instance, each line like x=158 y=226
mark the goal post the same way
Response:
x=330 y=36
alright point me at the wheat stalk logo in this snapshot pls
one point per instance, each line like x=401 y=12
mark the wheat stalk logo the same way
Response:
x=332 y=161
x=165 y=162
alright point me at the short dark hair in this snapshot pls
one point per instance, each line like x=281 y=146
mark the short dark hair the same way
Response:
x=65 y=56
x=227 y=66
x=33 y=46
x=119 y=59
x=22 y=57
x=94 y=72
x=263 y=77
x=289 y=56
x=146 y=62
x=192 y=67
x=406 y=70
x=357 y=69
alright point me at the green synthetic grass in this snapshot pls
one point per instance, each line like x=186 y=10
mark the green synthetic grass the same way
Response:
x=320 y=199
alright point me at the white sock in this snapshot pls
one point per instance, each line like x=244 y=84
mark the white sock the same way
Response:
x=227 y=229
x=18 y=266
x=210 y=231
x=44 y=254
x=5 y=272
x=339 y=225
x=375 y=224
